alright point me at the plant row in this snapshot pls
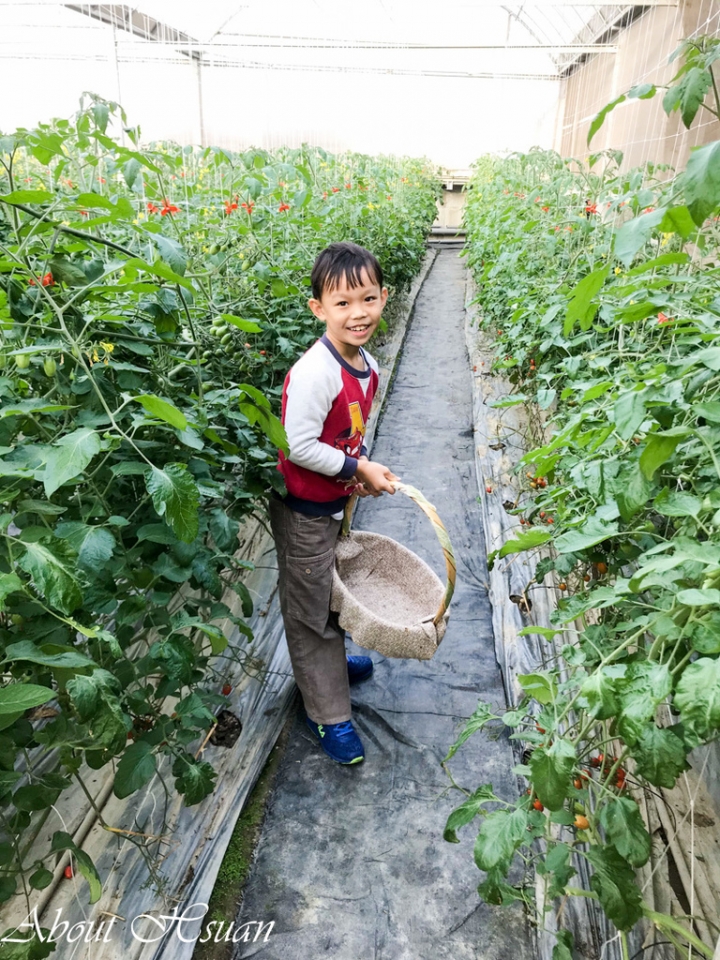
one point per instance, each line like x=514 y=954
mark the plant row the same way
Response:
x=151 y=301
x=600 y=287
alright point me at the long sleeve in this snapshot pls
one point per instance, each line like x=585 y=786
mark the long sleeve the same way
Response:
x=312 y=389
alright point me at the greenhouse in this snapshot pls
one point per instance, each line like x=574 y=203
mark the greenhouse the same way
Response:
x=359 y=480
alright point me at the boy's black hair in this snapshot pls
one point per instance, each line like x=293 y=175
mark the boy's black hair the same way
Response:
x=343 y=259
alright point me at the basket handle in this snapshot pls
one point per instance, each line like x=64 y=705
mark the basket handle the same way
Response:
x=440 y=531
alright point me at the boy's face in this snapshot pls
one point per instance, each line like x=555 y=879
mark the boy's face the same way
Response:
x=351 y=313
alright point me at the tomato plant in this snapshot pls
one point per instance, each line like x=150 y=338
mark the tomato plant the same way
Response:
x=607 y=279
x=151 y=300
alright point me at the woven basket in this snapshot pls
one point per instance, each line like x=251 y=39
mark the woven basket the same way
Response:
x=386 y=597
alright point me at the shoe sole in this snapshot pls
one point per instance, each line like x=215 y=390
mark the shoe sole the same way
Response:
x=344 y=763
x=360 y=679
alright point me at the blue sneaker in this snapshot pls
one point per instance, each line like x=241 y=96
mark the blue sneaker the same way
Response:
x=338 y=740
x=359 y=668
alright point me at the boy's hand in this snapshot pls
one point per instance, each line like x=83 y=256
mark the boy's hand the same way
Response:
x=374 y=477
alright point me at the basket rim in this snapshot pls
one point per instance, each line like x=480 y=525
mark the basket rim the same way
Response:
x=368 y=534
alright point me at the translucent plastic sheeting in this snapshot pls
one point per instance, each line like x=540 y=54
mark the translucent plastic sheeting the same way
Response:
x=384 y=76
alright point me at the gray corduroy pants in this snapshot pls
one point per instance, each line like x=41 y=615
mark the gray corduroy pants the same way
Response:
x=306 y=554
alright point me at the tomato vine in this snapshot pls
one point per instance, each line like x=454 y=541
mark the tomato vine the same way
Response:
x=600 y=286
x=151 y=300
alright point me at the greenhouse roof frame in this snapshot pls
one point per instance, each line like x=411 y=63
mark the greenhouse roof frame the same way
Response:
x=567 y=32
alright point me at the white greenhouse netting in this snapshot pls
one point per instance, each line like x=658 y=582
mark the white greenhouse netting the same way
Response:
x=392 y=76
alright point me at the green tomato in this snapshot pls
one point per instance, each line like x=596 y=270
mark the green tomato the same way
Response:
x=22 y=361
x=229 y=348
x=76 y=352
x=49 y=366
x=226 y=338
x=17 y=619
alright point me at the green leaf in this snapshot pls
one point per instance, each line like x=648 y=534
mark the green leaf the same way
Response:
x=256 y=395
x=30 y=949
x=658 y=449
x=130 y=171
x=678 y=504
x=660 y=756
x=101 y=113
x=94 y=545
x=709 y=357
x=172 y=253
x=248 y=326
x=68 y=457
x=65 y=271
x=40 y=879
x=223 y=529
x=90 y=693
x=625 y=829
x=678 y=220
x=701 y=181
x=551 y=769
x=63 y=841
x=36 y=796
x=268 y=423
x=709 y=409
x=163 y=410
x=136 y=768
x=598 y=693
x=66 y=658
x=634 y=234
x=614 y=883
x=524 y=541
x=467 y=811
x=511 y=401
x=545 y=397
x=242 y=591
x=500 y=835
x=582 y=307
x=28 y=196
x=645 y=685
x=19 y=697
x=629 y=413
x=477 y=721
x=599 y=118
x=541 y=686
x=664 y=260
x=194 y=780
x=692 y=89
x=9 y=583
x=175 y=496
x=697 y=696
x=705 y=634
x=632 y=492
x=557 y=864
x=546 y=632
x=218 y=640
x=53 y=580
x=564 y=946
x=588 y=535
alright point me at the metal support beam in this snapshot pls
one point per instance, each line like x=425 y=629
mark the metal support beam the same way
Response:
x=123 y=17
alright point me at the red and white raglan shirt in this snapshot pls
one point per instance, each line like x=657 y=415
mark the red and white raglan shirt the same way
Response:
x=325 y=408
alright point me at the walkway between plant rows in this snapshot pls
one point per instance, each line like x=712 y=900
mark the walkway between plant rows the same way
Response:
x=351 y=863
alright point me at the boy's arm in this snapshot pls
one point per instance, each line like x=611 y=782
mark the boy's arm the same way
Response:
x=310 y=395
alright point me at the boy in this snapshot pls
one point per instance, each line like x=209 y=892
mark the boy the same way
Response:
x=325 y=406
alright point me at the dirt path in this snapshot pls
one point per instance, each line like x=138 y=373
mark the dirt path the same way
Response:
x=351 y=862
